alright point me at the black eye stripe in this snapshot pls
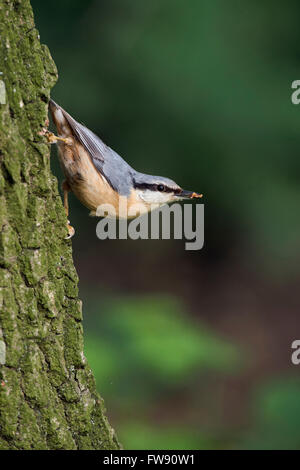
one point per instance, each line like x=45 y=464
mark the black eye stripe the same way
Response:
x=155 y=187
x=152 y=187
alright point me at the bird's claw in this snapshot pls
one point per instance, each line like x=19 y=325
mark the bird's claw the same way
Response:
x=71 y=231
x=53 y=139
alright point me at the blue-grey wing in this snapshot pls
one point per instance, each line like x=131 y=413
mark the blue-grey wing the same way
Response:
x=116 y=171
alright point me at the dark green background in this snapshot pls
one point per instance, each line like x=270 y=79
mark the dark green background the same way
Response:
x=191 y=349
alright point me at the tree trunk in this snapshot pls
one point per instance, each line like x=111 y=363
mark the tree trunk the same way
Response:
x=48 y=398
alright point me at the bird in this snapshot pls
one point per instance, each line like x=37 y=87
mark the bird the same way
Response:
x=97 y=175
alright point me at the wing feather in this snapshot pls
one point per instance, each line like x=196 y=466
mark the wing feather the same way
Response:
x=109 y=164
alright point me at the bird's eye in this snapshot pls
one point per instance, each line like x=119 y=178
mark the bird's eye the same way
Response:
x=160 y=187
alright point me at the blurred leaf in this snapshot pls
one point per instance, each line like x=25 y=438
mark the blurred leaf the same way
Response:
x=140 y=436
x=153 y=337
x=167 y=341
x=277 y=411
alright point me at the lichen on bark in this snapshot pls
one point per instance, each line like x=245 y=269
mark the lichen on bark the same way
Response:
x=48 y=398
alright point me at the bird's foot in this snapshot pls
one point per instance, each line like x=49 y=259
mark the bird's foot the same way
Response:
x=71 y=231
x=53 y=139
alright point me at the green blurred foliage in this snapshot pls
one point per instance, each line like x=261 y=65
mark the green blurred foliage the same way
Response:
x=150 y=348
x=276 y=416
x=141 y=436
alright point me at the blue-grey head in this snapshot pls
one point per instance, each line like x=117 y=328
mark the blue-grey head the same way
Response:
x=159 y=190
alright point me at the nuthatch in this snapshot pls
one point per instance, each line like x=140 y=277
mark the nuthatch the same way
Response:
x=98 y=175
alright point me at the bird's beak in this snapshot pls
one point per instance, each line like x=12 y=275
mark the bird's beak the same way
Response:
x=189 y=195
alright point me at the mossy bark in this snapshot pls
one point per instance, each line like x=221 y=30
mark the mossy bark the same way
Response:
x=48 y=398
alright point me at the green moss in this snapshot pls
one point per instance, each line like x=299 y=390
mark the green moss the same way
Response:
x=29 y=433
x=10 y=400
x=2 y=352
x=8 y=251
x=48 y=398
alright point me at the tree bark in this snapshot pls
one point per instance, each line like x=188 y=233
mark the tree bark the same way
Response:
x=48 y=398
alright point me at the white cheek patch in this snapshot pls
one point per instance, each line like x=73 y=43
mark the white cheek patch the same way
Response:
x=154 y=197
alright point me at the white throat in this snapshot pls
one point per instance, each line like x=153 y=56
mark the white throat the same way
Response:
x=154 y=197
